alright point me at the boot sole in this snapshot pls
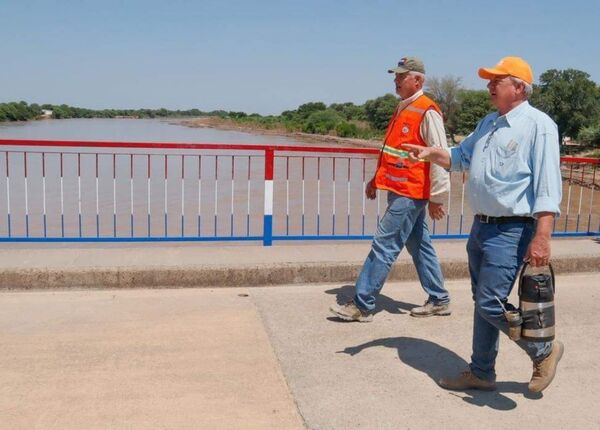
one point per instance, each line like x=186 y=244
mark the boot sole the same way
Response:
x=469 y=388
x=435 y=314
x=540 y=389
x=347 y=318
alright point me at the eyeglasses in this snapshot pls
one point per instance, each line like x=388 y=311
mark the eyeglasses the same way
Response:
x=498 y=80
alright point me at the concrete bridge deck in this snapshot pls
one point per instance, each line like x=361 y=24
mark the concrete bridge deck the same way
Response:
x=265 y=357
x=273 y=358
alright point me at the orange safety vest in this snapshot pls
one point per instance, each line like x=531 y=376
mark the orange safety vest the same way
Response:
x=395 y=171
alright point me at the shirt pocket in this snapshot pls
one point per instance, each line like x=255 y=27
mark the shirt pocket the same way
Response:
x=505 y=160
x=507 y=150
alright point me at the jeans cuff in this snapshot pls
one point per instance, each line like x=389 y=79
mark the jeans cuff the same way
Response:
x=438 y=302
x=483 y=375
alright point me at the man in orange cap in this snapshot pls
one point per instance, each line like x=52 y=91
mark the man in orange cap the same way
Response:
x=515 y=189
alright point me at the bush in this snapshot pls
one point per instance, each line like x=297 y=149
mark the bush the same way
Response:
x=268 y=122
x=349 y=111
x=293 y=125
x=346 y=129
x=589 y=135
x=321 y=122
x=238 y=115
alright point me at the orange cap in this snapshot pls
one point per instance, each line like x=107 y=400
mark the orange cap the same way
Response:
x=512 y=66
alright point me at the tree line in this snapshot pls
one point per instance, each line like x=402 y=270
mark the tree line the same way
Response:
x=21 y=111
x=569 y=96
x=366 y=121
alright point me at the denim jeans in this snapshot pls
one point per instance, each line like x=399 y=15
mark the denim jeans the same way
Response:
x=496 y=253
x=403 y=224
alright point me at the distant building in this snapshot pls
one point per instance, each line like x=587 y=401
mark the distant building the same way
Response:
x=46 y=113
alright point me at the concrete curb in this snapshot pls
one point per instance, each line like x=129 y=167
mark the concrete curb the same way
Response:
x=262 y=275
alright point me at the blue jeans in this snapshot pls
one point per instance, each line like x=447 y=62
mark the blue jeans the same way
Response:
x=496 y=253
x=402 y=224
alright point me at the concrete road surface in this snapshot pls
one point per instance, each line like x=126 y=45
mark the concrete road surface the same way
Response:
x=382 y=375
x=273 y=358
x=138 y=359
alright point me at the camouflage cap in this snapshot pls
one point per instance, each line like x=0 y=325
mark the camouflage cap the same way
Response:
x=409 y=64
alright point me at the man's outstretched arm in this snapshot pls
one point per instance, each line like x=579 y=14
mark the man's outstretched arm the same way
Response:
x=438 y=156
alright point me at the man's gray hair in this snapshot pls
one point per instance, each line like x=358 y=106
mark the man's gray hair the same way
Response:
x=421 y=75
x=527 y=88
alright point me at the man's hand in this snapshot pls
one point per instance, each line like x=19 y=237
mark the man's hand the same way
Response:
x=417 y=151
x=370 y=190
x=436 y=210
x=538 y=253
x=435 y=155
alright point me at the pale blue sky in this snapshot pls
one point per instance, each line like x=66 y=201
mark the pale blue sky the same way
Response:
x=268 y=56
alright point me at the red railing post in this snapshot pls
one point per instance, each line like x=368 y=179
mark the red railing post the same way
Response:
x=268 y=207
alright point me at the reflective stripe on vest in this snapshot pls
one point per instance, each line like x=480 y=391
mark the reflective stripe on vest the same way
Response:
x=395 y=171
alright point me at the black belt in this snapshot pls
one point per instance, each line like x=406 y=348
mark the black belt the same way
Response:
x=485 y=219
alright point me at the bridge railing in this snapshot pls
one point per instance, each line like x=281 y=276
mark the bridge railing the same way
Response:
x=580 y=208
x=81 y=191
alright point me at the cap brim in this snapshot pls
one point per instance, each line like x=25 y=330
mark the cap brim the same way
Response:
x=398 y=70
x=490 y=73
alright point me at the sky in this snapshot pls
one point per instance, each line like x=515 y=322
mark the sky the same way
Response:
x=267 y=56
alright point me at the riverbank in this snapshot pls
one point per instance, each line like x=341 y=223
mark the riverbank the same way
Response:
x=230 y=125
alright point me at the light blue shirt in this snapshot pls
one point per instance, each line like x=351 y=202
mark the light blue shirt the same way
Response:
x=513 y=162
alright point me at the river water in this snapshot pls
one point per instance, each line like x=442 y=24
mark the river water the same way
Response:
x=132 y=130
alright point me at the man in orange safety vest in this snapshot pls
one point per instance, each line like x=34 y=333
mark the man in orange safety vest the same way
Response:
x=412 y=187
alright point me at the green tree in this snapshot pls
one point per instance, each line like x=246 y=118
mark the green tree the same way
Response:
x=379 y=111
x=570 y=97
x=349 y=110
x=305 y=110
x=18 y=111
x=289 y=114
x=474 y=105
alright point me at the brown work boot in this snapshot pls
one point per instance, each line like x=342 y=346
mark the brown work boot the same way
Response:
x=544 y=370
x=430 y=309
x=350 y=312
x=467 y=381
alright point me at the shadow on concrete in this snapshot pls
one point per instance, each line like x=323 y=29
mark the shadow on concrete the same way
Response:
x=345 y=293
x=437 y=361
